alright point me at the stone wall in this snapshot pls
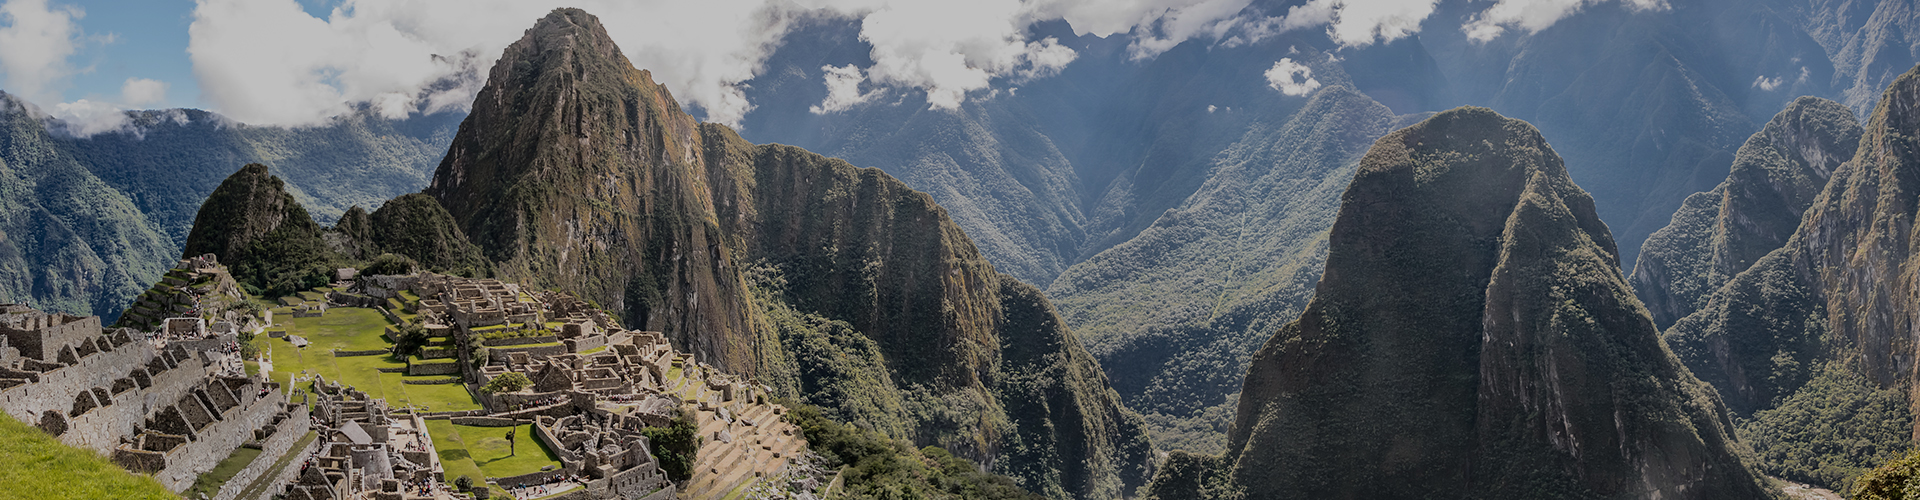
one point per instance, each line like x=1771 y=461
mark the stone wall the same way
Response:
x=432 y=368
x=499 y=354
x=285 y=434
x=219 y=438
x=44 y=339
x=543 y=339
x=122 y=385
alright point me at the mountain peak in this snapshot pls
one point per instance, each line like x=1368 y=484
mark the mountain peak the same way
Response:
x=1472 y=336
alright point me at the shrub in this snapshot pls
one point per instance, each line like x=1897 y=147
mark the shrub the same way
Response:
x=512 y=381
x=463 y=483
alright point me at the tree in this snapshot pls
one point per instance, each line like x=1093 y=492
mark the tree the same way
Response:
x=411 y=338
x=463 y=483
x=1897 y=480
x=510 y=382
x=674 y=446
x=388 y=263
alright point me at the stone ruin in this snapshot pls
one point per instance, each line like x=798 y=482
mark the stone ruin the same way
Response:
x=156 y=407
x=180 y=291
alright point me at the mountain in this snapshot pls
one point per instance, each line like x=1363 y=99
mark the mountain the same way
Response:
x=255 y=227
x=1716 y=234
x=1813 y=335
x=1472 y=337
x=834 y=284
x=116 y=206
x=69 y=241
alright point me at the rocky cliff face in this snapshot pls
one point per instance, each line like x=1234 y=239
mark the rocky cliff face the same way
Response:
x=576 y=172
x=1472 y=337
x=1717 y=234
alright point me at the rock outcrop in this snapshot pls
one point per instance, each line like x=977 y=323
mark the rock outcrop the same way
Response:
x=1472 y=337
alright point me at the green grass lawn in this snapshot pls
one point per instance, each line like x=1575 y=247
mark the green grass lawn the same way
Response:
x=35 y=465
x=211 y=482
x=357 y=329
x=481 y=452
x=487 y=448
x=453 y=453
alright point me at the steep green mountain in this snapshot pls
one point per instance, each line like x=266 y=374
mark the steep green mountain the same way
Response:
x=1829 y=301
x=1718 y=233
x=255 y=227
x=68 y=240
x=415 y=225
x=1472 y=337
x=1648 y=105
x=575 y=171
x=1185 y=303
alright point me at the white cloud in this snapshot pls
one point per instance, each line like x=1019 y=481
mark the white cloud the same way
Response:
x=35 y=41
x=139 y=92
x=269 y=62
x=950 y=48
x=1536 y=15
x=1767 y=84
x=84 y=118
x=843 y=89
x=1291 y=78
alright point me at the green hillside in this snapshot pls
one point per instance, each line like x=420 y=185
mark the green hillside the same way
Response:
x=37 y=466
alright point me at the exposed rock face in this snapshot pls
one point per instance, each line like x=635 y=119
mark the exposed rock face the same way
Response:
x=1719 y=233
x=576 y=172
x=1472 y=337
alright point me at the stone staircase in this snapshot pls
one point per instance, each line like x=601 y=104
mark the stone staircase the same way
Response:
x=756 y=452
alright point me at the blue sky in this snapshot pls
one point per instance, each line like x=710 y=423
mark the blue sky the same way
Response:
x=148 y=40
x=140 y=39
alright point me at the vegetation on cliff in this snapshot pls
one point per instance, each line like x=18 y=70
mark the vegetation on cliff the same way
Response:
x=882 y=467
x=1719 y=233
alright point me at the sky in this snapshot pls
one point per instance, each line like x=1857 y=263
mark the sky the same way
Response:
x=300 y=62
